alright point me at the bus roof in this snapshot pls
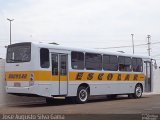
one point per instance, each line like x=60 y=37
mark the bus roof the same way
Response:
x=60 y=47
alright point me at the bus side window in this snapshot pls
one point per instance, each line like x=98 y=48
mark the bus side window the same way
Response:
x=77 y=60
x=121 y=63
x=44 y=58
x=93 y=61
x=124 y=63
x=128 y=64
x=110 y=62
x=137 y=64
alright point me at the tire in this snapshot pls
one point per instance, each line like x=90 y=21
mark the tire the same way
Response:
x=82 y=95
x=50 y=101
x=138 y=91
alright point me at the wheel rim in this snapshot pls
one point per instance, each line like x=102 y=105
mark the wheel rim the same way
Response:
x=83 y=95
x=138 y=91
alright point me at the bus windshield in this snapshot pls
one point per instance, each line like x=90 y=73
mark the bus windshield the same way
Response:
x=20 y=52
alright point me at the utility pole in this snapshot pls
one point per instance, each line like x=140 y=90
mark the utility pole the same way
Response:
x=149 y=44
x=10 y=20
x=132 y=42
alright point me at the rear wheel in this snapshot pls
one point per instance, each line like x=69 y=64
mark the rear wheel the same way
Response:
x=138 y=91
x=82 y=95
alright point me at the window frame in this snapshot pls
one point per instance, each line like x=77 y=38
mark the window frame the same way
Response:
x=136 y=63
x=109 y=61
x=21 y=45
x=48 y=58
x=83 y=60
x=99 y=63
x=125 y=64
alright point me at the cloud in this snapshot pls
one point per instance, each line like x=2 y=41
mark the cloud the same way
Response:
x=99 y=23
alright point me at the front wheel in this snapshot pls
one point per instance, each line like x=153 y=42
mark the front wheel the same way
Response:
x=138 y=91
x=82 y=95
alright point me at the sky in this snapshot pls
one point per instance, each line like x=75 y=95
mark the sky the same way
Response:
x=101 y=24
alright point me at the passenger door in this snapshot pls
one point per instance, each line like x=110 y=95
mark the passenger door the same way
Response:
x=60 y=72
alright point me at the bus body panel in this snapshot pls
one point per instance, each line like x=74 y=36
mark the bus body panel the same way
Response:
x=104 y=88
x=18 y=73
x=46 y=84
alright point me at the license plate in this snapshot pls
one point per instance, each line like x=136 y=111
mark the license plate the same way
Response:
x=17 y=84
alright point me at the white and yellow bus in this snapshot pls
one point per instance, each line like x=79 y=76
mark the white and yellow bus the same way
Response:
x=52 y=70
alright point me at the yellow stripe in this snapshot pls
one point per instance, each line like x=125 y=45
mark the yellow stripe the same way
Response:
x=94 y=76
x=18 y=76
x=106 y=76
x=43 y=75
x=38 y=76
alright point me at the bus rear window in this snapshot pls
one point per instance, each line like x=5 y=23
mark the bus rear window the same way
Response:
x=20 y=52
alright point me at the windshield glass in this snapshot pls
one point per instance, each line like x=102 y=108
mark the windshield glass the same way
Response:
x=20 y=52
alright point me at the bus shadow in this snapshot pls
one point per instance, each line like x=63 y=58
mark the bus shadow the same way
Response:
x=62 y=102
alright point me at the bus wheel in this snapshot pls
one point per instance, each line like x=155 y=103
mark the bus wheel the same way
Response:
x=49 y=101
x=82 y=95
x=138 y=91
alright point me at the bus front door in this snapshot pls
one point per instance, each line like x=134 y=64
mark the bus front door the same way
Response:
x=148 y=76
x=60 y=72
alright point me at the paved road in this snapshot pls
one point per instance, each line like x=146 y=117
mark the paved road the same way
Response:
x=121 y=105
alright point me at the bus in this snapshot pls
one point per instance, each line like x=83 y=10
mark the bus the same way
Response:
x=48 y=70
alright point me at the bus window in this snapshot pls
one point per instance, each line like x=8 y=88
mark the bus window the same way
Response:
x=63 y=65
x=77 y=60
x=20 y=52
x=54 y=64
x=110 y=62
x=137 y=64
x=128 y=64
x=44 y=58
x=93 y=61
x=124 y=63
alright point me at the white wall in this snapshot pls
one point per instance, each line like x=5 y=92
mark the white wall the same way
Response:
x=156 y=81
x=6 y=99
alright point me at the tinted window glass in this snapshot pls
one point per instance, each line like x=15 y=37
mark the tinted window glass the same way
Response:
x=137 y=64
x=128 y=61
x=54 y=64
x=93 y=61
x=125 y=63
x=110 y=62
x=44 y=58
x=63 y=65
x=77 y=60
x=128 y=64
x=121 y=60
